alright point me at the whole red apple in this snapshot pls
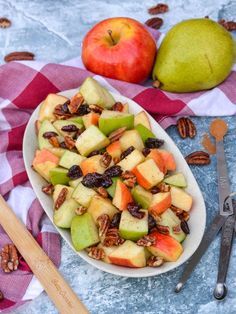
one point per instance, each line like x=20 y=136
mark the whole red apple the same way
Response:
x=120 y=48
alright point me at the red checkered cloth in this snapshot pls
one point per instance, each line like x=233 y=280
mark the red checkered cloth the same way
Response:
x=23 y=85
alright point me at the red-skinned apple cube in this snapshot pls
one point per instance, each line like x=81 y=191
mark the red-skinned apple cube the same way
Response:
x=181 y=198
x=122 y=196
x=114 y=149
x=168 y=159
x=160 y=202
x=157 y=157
x=131 y=138
x=131 y=161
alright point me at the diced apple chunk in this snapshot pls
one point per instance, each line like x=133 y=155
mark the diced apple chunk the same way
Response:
x=99 y=206
x=62 y=217
x=131 y=138
x=90 y=119
x=110 y=121
x=69 y=159
x=142 y=118
x=181 y=199
x=48 y=105
x=132 y=160
x=160 y=202
x=122 y=196
x=43 y=162
x=83 y=195
x=92 y=164
x=132 y=228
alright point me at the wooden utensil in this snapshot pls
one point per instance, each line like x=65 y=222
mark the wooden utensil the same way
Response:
x=54 y=284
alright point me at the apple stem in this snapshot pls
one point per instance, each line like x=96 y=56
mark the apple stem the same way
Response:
x=110 y=34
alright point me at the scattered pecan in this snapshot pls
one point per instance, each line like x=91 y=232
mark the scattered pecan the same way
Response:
x=146 y=151
x=129 y=178
x=70 y=143
x=49 y=134
x=61 y=112
x=163 y=187
x=155 y=261
x=156 y=23
x=134 y=210
x=115 y=220
x=184 y=226
x=69 y=128
x=127 y=152
x=184 y=216
x=176 y=229
x=147 y=240
x=96 y=253
x=1 y=296
x=105 y=160
x=54 y=141
x=229 y=25
x=75 y=172
x=80 y=210
x=102 y=192
x=116 y=135
x=103 y=225
x=4 y=22
x=156 y=84
x=9 y=258
x=158 y=8
x=198 y=158
x=118 y=106
x=186 y=128
x=96 y=109
x=19 y=55
x=48 y=189
x=61 y=198
x=163 y=229
x=112 y=238
x=75 y=102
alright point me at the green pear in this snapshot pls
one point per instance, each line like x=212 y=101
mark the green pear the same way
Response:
x=195 y=55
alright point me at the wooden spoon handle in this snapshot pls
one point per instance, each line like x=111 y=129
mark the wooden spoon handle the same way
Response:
x=54 y=284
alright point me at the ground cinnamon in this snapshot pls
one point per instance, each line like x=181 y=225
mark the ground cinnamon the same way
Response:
x=208 y=145
x=218 y=129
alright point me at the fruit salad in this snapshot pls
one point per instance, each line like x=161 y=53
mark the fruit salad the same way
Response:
x=113 y=183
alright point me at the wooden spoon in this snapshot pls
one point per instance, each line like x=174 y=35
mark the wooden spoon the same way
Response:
x=54 y=284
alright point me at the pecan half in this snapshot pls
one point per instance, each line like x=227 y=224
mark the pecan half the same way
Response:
x=116 y=135
x=186 y=128
x=96 y=253
x=112 y=238
x=118 y=106
x=163 y=187
x=96 y=109
x=156 y=23
x=48 y=189
x=103 y=225
x=61 y=198
x=129 y=178
x=102 y=192
x=80 y=210
x=5 y=22
x=163 y=229
x=19 y=55
x=198 y=158
x=229 y=25
x=176 y=210
x=176 y=229
x=105 y=160
x=158 y=8
x=69 y=142
x=147 y=240
x=53 y=140
x=155 y=261
x=9 y=258
x=75 y=102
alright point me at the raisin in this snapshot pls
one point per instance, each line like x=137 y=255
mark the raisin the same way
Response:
x=134 y=210
x=63 y=145
x=64 y=107
x=151 y=222
x=69 y=128
x=115 y=221
x=94 y=153
x=75 y=172
x=153 y=143
x=83 y=109
x=146 y=151
x=92 y=180
x=126 y=152
x=49 y=134
x=155 y=190
x=113 y=171
x=106 y=182
x=184 y=226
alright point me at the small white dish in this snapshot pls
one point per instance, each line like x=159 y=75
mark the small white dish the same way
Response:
x=197 y=219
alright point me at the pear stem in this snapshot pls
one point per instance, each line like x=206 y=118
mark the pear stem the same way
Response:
x=110 y=34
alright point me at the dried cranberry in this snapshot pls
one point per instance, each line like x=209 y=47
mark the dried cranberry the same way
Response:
x=92 y=180
x=94 y=153
x=127 y=152
x=75 y=172
x=153 y=142
x=155 y=190
x=113 y=171
x=69 y=128
x=134 y=210
x=151 y=222
x=49 y=134
x=115 y=220
x=83 y=109
x=146 y=151
x=65 y=108
x=63 y=145
x=184 y=226
x=106 y=182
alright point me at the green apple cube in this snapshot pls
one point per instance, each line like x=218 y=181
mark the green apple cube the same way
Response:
x=59 y=124
x=91 y=139
x=78 y=120
x=95 y=94
x=112 y=188
x=83 y=195
x=142 y=118
x=110 y=121
x=131 y=138
x=46 y=126
x=99 y=206
x=69 y=159
x=84 y=232
x=176 y=179
x=144 y=132
x=74 y=183
x=168 y=218
x=62 y=217
x=132 y=228
x=57 y=191
x=59 y=176
x=142 y=196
